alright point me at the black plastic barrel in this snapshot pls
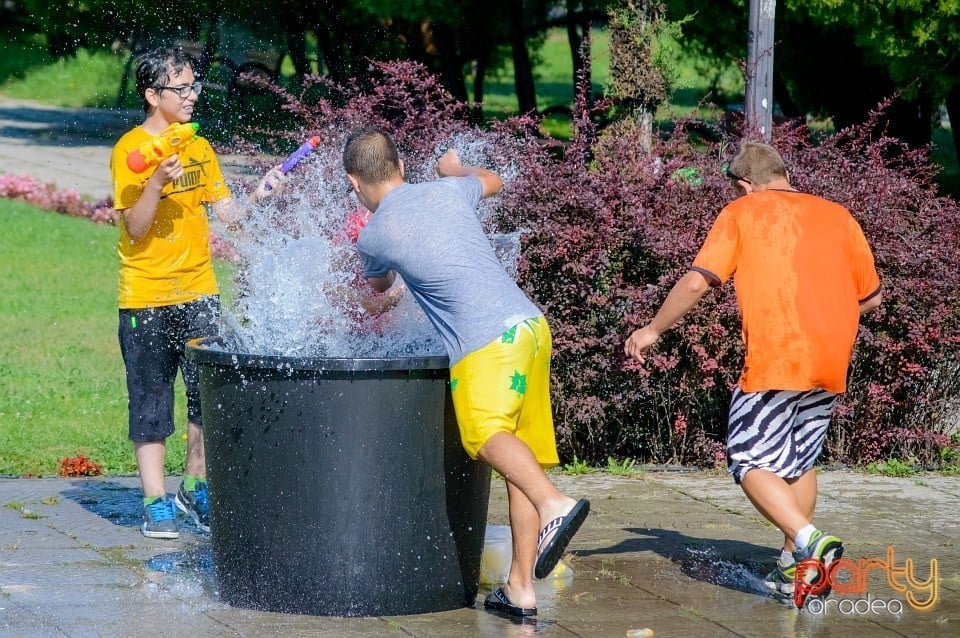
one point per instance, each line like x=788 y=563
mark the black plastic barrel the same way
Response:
x=338 y=487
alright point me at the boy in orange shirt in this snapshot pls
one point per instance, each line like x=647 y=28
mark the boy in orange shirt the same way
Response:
x=167 y=286
x=804 y=274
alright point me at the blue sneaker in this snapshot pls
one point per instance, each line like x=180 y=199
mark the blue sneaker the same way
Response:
x=196 y=505
x=160 y=520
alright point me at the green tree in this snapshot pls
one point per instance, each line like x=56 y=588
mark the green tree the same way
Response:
x=642 y=77
x=71 y=24
x=841 y=58
x=916 y=43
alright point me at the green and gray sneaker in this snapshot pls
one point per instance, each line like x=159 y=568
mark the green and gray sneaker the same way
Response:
x=812 y=577
x=195 y=504
x=160 y=520
x=780 y=580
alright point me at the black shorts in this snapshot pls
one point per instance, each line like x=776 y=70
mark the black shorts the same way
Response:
x=152 y=344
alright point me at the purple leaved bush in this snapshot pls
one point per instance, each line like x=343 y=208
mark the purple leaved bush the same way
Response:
x=609 y=228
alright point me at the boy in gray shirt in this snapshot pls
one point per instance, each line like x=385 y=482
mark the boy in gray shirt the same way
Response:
x=497 y=340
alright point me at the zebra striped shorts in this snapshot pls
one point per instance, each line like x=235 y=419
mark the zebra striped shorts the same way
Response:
x=777 y=430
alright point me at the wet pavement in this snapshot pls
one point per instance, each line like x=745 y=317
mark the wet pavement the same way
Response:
x=679 y=553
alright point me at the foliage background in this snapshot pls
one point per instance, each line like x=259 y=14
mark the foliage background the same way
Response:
x=608 y=229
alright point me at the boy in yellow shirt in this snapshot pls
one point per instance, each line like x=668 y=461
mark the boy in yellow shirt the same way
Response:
x=167 y=287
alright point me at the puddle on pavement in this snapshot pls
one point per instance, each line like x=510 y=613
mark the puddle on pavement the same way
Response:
x=187 y=573
x=705 y=565
x=120 y=504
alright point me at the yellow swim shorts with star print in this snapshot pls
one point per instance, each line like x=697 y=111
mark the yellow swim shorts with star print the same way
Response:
x=505 y=387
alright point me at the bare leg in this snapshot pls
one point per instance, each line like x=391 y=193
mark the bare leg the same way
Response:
x=534 y=501
x=777 y=501
x=150 y=458
x=196 y=464
x=804 y=488
x=524 y=528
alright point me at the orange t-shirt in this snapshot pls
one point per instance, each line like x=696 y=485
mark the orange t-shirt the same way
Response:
x=801 y=267
x=171 y=264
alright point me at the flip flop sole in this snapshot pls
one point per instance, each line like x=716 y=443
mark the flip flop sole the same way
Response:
x=553 y=551
x=498 y=601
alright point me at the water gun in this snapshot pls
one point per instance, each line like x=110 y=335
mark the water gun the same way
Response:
x=152 y=152
x=297 y=156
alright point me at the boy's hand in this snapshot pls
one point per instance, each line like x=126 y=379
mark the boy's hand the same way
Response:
x=640 y=342
x=270 y=183
x=167 y=171
x=448 y=164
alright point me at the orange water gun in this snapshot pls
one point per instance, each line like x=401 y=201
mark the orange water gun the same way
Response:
x=152 y=152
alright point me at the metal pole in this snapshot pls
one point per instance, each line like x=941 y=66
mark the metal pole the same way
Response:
x=759 y=92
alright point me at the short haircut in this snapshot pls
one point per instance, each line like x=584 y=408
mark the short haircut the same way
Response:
x=154 y=66
x=758 y=163
x=371 y=156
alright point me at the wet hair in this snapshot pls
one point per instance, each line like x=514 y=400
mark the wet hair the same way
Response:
x=758 y=163
x=371 y=156
x=153 y=69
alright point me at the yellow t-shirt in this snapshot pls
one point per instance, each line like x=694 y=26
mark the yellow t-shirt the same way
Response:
x=171 y=264
x=801 y=266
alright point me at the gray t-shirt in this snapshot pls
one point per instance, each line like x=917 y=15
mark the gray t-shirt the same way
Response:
x=430 y=235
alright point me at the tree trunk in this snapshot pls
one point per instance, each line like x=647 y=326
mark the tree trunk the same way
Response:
x=452 y=69
x=479 y=76
x=645 y=124
x=953 y=112
x=578 y=28
x=522 y=69
x=575 y=40
x=912 y=120
x=331 y=54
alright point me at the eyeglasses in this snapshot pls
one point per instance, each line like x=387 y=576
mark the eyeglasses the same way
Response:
x=736 y=177
x=182 y=91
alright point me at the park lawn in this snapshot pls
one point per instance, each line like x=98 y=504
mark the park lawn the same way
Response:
x=62 y=389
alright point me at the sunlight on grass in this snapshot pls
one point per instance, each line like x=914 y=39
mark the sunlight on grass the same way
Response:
x=87 y=80
x=60 y=367
x=700 y=88
x=553 y=76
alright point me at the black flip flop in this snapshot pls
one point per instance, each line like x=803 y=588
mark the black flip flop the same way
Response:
x=498 y=601
x=550 y=548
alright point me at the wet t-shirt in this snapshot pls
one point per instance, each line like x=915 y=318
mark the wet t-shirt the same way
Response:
x=801 y=266
x=431 y=236
x=171 y=264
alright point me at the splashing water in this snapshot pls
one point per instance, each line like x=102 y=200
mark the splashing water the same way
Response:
x=705 y=563
x=299 y=291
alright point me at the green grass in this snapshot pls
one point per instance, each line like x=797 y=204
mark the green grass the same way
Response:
x=91 y=79
x=62 y=389
x=553 y=76
x=695 y=82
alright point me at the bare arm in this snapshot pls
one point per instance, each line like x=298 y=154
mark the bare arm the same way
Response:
x=377 y=304
x=139 y=218
x=449 y=166
x=230 y=212
x=871 y=303
x=682 y=297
